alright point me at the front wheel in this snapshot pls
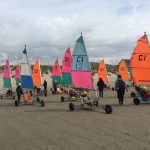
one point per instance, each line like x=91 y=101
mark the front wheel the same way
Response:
x=38 y=99
x=136 y=101
x=108 y=109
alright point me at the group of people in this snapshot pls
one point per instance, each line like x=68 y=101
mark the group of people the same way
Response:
x=27 y=94
x=120 y=88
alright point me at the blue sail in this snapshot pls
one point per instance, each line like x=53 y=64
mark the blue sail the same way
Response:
x=81 y=70
x=80 y=58
x=26 y=78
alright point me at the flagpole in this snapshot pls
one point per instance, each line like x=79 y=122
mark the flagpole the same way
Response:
x=28 y=60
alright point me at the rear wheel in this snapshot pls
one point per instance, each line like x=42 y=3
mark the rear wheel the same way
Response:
x=16 y=103
x=62 y=99
x=42 y=103
x=136 y=101
x=38 y=99
x=133 y=94
x=108 y=109
x=71 y=107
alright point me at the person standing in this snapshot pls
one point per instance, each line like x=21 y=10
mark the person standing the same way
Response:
x=45 y=87
x=100 y=85
x=120 y=88
x=55 y=87
x=19 y=91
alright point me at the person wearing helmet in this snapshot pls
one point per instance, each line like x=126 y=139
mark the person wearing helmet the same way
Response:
x=19 y=91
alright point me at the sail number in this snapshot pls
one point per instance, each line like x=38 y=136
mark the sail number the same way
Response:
x=122 y=69
x=67 y=61
x=79 y=62
x=36 y=71
x=142 y=57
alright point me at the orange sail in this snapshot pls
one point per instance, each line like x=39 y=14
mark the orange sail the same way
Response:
x=123 y=71
x=36 y=74
x=102 y=72
x=140 y=62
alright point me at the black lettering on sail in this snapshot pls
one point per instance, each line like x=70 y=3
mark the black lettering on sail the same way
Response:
x=122 y=69
x=35 y=71
x=79 y=63
x=142 y=57
x=67 y=61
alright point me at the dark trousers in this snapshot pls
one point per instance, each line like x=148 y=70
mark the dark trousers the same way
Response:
x=120 y=94
x=55 y=89
x=19 y=97
x=45 y=88
x=101 y=93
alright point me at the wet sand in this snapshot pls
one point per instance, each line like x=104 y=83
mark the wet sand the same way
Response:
x=54 y=127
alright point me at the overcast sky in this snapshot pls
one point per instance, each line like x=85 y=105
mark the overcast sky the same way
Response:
x=110 y=28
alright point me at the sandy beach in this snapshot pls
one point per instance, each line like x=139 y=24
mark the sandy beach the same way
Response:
x=54 y=127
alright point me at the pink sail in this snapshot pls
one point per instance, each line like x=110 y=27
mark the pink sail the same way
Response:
x=56 y=69
x=6 y=72
x=85 y=77
x=67 y=62
x=18 y=73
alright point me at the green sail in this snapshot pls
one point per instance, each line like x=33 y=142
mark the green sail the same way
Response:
x=57 y=79
x=7 y=82
x=66 y=79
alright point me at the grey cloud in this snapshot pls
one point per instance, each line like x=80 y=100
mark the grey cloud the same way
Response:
x=49 y=27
